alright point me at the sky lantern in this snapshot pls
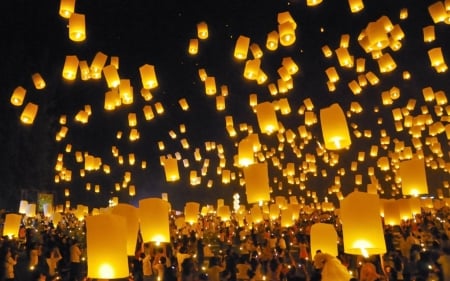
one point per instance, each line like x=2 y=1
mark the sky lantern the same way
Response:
x=202 y=30
x=18 y=96
x=191 y=211
x=154 y=220
x=391 y=212
x=104 y=261
x=362 y=231
x=66 y=8
x=286 y=31
x=257 y=186
x=210 y=86
x=171 y=169
x=272 y=41
x=77 y=27
x=428 y=33
x=130 y=213
x=148 y=76
x=334 y=127
x=344 y=57
x=241 y=47
x=252 y=68
x=111 y=75
x=332 y=74
x=438 y=12
x=29 y=113
x=267 y=118
x=256 y=51
x=436 y=57
x=324 y=238
x=11 y=225
x=286 y=219
x=38 y=81
x=70 y=68
x=413 y=177
x=224 y=212
x=311 y=3
x=356 y=5
x=193 y=46
x=97 y=65
x=84 y=70
x=386 y=63
x=245 y=152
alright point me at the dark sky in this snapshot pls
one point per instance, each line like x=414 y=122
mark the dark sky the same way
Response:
x=35 y=40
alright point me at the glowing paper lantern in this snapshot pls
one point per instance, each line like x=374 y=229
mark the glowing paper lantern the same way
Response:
x=245 y=152
x=193 y=46
x=241 y=47
x=104 y=261
x=148 y=76
x=362 y=231
x=324 y=238
x=391 y=212
x=210 y=86
x=77 y=27
x=267 y=118
x=272 y=41
x=97 y=65
x=413 y=177
x=130 y=213
x=23 y=206
x=436 y=57
x=171 y=169
x=154 y=219
x=252 y=69
x=66 y=8
x=257 y=186
x=38 y=81
x=202 y=30
x=70 y=68
x=29 y=113
x=111 y=75
x=355 y=5
x=224 y=212
x=11 y=225
x=334 y=128
x=286 y=33
x=18 y=96
x=191 y=211
x=438 y=12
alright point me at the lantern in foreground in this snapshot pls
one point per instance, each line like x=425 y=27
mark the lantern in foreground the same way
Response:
x=11 y=225
x=334 y=127
x=257 y=186
x=324 y=238
x=362 y=229
x=154 y=218
x=191 y=210
x=267 y=118
x=106 y=254
x=413 y=176
x=130 y=213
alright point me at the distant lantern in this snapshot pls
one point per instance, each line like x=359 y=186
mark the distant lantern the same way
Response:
x=428 y=33
x=224 y=212
x=84 y=70
x=256 y=51
x=356 y=5
x=413 y=177
x=332 y=74
x=29 y=113
x=18 y=96
x=290 y=65
x=148 y=76
x=66 y=8
x=344 y=57
x=130 y=213
x=11 y=225
x=257 y=186
x=23 y=207
x=436 y=57
x=267 y=118
x=286 y=217
x=148 y=112
x=112 y=76
x=311 y=3
x=362 y=231
x=272 y=41
x=97 y=65
x=334 y=127
x=386 y=63
x=286 y=33
x=104 y=261
x=70 y=68
x=77 y=27
x=438 y=12
x=210 y=86
x=202 y=30
x=220 y=103
x=252 y=69
x=327 y=51
x=171 y=169
x=324 y=238
x=38 y=81
x=241 y=47
x=191 y=212
x=154 y=220
x=193 y=46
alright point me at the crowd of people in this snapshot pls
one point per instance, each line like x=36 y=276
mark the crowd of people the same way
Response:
x=216 y=250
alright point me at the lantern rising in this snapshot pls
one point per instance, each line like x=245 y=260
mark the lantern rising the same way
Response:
x=334 y=128
x=257 y=183
x=154 y=219
x=413 y=177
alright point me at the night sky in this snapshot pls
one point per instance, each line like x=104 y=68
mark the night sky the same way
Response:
x=35 y=40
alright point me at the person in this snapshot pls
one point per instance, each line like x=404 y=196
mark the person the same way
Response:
x=368 y=272
x=216 y=267
x=147 y=271
x=160 y=267
x=75 y=262
x=181 y=255
x=52 y=260
x=332 y=269
x=444 y=264
x=10 y=262
x=242 y=267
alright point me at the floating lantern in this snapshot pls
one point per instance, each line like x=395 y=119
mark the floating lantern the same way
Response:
x=355 y=5
x=256 y=51
x=66 y=8
x=104 y=261
x=334 y=127
x=202 y=30
x=252 y=68
x=112 y=76
x=241 y=47
x=29 y=113
x=428 y=34
x=154 y=220
x=77 y=27
x=38 y=81
x=210 y=86
x=272 y=41
x=286 y=33
x=171 y=169
x=413 y=177
x=70 y=68
x=148 y=76
x=438 y=12
x=362 y=231
x=257 y=183
x=11 y=225
x=267 y=118
x=18 y=96
x=97 y=65
x=193 y=46
x=324 y=238
x=191 y=211
x=130 y=213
